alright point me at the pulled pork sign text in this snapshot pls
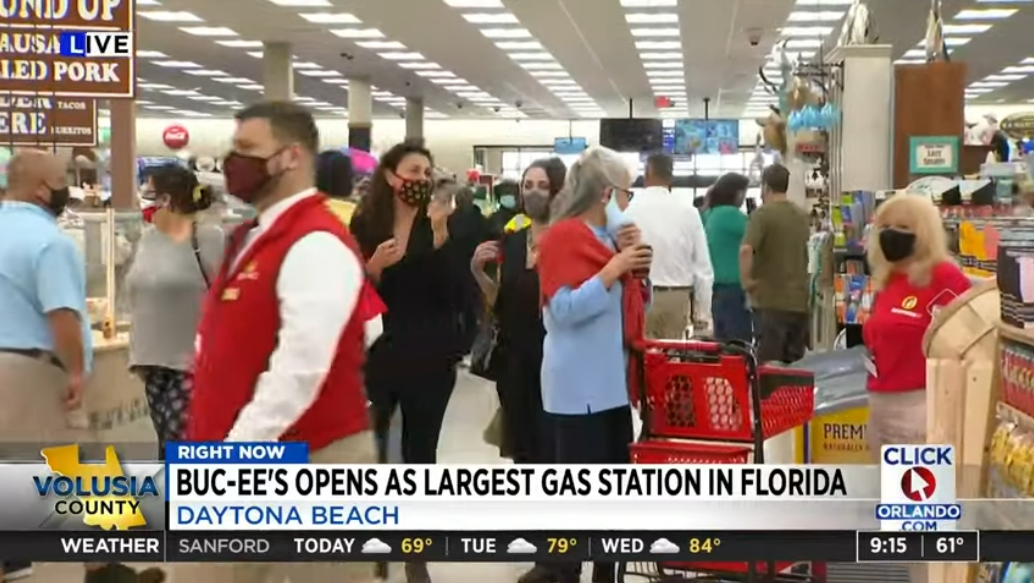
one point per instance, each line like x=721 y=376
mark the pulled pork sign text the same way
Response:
x=78 y=48
x=63 y=121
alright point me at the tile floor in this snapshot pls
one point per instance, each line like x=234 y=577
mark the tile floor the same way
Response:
x=472 y=405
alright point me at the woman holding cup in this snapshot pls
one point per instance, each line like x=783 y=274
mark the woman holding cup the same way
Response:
x=593 y=308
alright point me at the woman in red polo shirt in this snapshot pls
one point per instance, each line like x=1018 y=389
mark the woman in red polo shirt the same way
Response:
x=913 y=275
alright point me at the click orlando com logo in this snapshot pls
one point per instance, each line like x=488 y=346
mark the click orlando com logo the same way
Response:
x=917 y=488
x=100 y=493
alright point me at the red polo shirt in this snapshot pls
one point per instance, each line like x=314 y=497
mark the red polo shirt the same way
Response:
x=894 y=331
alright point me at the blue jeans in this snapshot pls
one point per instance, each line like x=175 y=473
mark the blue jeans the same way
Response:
x=732 y=319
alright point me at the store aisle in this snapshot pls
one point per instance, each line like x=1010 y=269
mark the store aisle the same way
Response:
x=470 y=409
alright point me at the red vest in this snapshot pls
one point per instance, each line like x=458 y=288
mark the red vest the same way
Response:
x=238 y=333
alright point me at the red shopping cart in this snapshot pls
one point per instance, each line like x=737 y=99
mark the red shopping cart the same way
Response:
x=710 y=403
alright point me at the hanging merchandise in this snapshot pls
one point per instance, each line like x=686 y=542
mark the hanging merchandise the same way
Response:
x=859 y=26
x=936 y=48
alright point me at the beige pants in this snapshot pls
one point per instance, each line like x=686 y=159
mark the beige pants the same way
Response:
x=898 y=418
x=668 y=316
x=32 y=404
x=355 y=449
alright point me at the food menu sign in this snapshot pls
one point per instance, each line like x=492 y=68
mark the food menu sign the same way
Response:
x=34 y=120
x=31 y=60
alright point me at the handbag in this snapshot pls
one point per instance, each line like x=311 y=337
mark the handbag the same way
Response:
x=196 y=245
x=484 y=359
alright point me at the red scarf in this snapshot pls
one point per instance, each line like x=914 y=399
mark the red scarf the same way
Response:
x=148 y=213
x=569 y=255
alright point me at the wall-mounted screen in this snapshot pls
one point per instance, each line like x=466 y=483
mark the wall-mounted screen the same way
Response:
x=568 y=146
x=707 y=136
x=631 y=135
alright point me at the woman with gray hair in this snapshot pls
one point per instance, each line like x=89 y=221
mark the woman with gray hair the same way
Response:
x=591 y=265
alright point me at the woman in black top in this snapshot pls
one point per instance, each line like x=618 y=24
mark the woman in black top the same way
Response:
x=516 y=303
x=517 y=307
x=404 y=236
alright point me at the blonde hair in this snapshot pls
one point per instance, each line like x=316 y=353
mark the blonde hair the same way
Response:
x=919 y=214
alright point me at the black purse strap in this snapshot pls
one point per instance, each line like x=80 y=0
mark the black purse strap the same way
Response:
x=196 y=245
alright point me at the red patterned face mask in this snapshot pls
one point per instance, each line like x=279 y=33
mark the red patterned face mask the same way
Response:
x=415 y=192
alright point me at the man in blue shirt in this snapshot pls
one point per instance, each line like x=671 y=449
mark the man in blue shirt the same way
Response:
x=44 y=327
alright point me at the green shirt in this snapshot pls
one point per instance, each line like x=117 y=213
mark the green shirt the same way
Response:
x=779 y=232
x=725 y=226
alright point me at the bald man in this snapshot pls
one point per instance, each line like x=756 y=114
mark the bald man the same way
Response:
x=44 y=328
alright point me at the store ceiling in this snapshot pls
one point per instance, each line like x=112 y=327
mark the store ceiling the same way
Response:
x=558 y=59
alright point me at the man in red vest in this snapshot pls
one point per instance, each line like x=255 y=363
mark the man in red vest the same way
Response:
x=281 y=342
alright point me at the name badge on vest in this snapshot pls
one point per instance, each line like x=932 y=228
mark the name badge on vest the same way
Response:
x=231 y=294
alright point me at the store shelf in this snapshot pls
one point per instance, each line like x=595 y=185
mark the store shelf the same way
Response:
x=1016 y=334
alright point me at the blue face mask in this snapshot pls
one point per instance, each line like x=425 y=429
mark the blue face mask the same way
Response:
x=508 y=201
x=615 y=217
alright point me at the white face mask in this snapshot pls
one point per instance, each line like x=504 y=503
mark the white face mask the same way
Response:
x=615 y=216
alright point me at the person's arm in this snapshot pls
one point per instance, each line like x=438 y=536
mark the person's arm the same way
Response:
x=488 y=286
x=212 y=242
x=571 y=307
x=752 y=240
x=61 y=291
x=701 y=268
x=316 y=303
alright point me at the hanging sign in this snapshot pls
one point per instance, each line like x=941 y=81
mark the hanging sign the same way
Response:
x=933 y=154
x=44 y=120
x=1018 y=126
x=175 y=137
x=68 y=48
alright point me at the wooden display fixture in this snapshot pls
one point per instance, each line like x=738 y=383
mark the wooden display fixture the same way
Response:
x=963 y=349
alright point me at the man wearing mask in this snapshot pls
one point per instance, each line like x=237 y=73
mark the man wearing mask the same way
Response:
x=507 y=193
x=45 y=338
x=280 y=346
x=44 y=326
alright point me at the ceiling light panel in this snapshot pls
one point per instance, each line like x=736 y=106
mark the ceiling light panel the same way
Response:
x=208 y=31
x=302 y=3
x=528 y=54
x=169 y=16
x=659 y=41
x=331 y=18
x=986 y=14
x=240 y=43
x=1004 y=78
x=151 y=55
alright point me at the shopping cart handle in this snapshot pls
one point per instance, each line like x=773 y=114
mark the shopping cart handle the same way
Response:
x=695 y=345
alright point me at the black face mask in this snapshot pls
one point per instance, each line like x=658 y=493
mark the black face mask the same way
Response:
x=58 y=200
x=897 y=245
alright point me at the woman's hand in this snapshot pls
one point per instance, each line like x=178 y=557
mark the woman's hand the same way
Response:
x=485 y=253
x=629 y=236
x=633 y=258
x=387 y=254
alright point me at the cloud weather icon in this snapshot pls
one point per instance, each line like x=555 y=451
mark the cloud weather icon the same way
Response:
x=663 y=546
x=520 y=546
x=375 y=546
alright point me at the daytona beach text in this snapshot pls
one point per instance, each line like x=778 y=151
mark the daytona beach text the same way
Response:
x=295 y=482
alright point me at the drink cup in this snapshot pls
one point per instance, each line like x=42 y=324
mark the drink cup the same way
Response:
x=642 y=273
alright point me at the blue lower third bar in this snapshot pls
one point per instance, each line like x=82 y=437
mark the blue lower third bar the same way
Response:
x=237 y=453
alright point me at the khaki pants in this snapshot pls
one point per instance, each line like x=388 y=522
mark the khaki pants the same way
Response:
x=32 y=403
x=355 y=449
x=668 y=316
x=900 y=419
